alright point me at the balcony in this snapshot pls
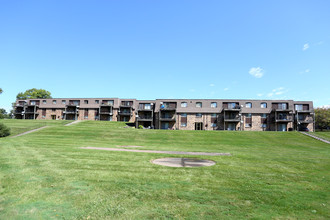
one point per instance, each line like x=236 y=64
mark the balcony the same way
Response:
x=164 y=118
x=145 y=110
x=69 y=112
x=144 y=118
x=305 y=120
x=106 y=104
x=124 y=113
x=284 y=119
x=167 y=108
x=105 y=113
x=31 y=112
x=233 y=108
x=232 y=119
x=73 y=104
x=282 y=109
x=303 y=111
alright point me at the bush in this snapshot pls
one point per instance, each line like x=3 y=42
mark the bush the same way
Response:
x=4 y=130
x=140 y=127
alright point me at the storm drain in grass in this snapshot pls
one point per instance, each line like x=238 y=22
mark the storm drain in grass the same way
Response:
x=183 y=162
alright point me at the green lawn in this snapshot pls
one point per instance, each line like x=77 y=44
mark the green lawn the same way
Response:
x=280 y=175
x=323 y=134
x=19 y=126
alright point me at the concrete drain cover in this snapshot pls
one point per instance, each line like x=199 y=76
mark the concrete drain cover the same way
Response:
x=183 y=162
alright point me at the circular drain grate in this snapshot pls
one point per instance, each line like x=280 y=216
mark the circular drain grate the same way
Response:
x=183 y=162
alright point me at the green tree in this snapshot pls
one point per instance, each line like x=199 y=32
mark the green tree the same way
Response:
x=4 y=130
x=1 y=91
x=322 y=118
x=3 y=113
x=34 y=94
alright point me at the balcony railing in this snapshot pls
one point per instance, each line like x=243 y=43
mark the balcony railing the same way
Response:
x=231 y=118
x=71 y=112
x=283 y=118
x=105 y=113
x=145 y=118
x=232 y=108
x=167 y=118
x=306 y=120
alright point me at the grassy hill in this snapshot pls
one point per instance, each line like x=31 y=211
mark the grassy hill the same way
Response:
x=269 y=175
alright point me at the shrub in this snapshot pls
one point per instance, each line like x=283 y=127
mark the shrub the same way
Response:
x=4 y=130
x=140 y=127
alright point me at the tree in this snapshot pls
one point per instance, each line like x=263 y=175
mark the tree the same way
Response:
x=3 y=113
x=322 y=118
x=1 y=91
x=34 y=94
x=4 y=130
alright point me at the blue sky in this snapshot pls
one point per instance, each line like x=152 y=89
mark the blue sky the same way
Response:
x=143 y=49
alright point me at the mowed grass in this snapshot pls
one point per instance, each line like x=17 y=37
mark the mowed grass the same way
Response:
x=19 y=126
x=280 y=175
x=323 y=134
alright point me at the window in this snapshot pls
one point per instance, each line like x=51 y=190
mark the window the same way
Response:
x=282 y=106
x=233 y=105
x=248 y=105
x=184 y=104
x=53 y=109
x=248 y=115
x=54 y=102
x=147 y=106
x=198 y=104
x=198 y=115
x=44 y=101
x=85 y=101
x=263 y=105
x=213 y=104
x=263 y=125
x=263 y=115
x=97 y=101
x=213 y=115
x=248 y=125
x=44 y=116
x=298 y=107
x=184 y=115
x=63 y=102
x=33 y=102
x=301 y=117
x=183 y=124
x=213 y=125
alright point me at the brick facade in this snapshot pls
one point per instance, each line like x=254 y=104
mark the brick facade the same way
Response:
x=181 y=114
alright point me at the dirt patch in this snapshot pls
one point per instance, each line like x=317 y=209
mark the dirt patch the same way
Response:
x=129 y=146
x=183 y=162
x=158 y=151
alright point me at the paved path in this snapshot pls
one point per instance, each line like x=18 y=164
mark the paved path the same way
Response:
x=71 y=123
x=317 y=138
x=28 y=132
x=158 y=151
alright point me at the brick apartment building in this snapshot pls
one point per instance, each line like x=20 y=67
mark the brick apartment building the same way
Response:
x=182 y=114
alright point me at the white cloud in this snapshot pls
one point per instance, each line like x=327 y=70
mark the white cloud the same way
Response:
x=305 y=47
x=225 y=89
x=212 y=85
x=257 y=72
x=277 y=91
x=305 y=71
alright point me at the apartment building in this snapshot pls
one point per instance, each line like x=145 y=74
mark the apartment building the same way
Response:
x=180 y=114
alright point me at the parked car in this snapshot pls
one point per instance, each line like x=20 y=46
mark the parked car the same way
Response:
x=304 y=129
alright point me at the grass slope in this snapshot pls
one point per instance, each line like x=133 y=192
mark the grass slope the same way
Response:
x=323 y=134
x=19 y=126
x=270 y=175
